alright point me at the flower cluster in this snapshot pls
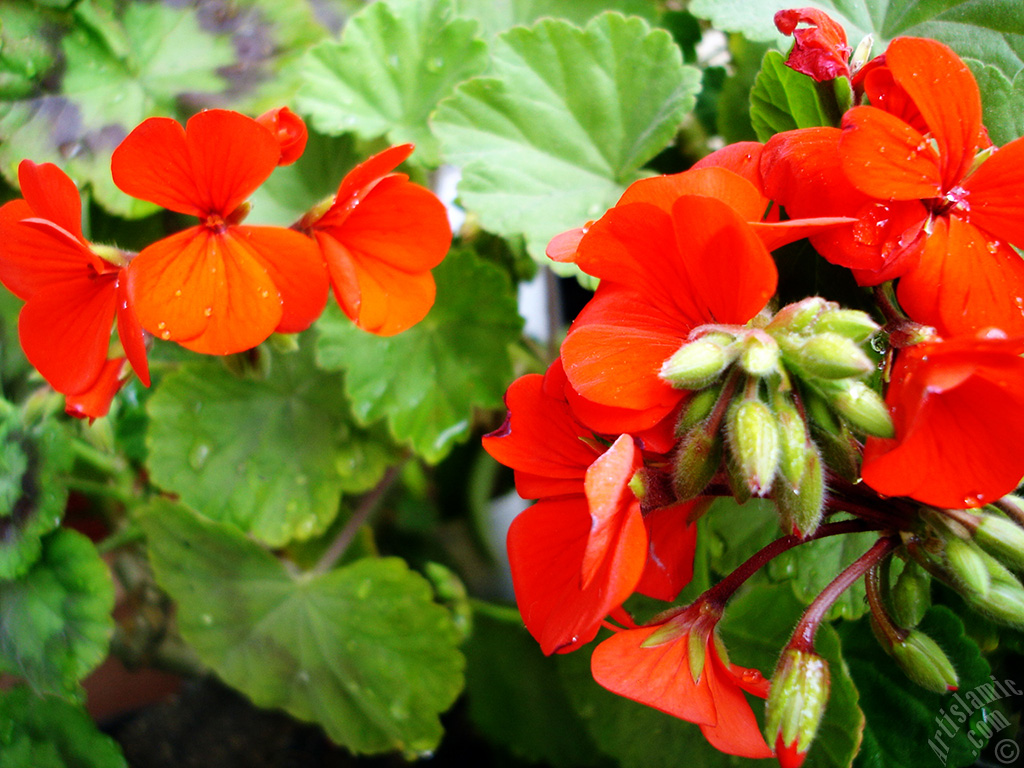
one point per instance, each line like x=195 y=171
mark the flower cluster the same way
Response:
x=220 y=286
x=683 y=380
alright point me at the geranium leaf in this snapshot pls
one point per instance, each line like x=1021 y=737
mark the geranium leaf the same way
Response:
x=563 y=121
x=1002 y=100
x=427 y=380
x=55 y=620
x=783 y=99
x=392 y=65
x=362 y=650
x=515 y=703
x=495 y=17
x=33 y=462
x=47 y=732
x=992 y=31
x=271 y=456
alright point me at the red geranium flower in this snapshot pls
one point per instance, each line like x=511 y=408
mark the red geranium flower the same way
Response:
x=72 y=293
x=289 y=130
x=932 y=211
x=676 y=666
x=956 y=406
x=819 y=50
x=380 y=236
x=218 y=287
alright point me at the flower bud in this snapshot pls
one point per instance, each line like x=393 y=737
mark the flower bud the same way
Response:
x=754 y=444
x=698 y=458
x=861 y=406
x=760 y=356
x=698 y=407
x=1003 y=603
x=911 y=595
x=793 y=439
x=802 y=505
x=796 y=704
x=829 y=356
x=968 y=565
x=925 y=663
x=1001 y=538
x=800 y=315
x=852 y=324
x=698 y=363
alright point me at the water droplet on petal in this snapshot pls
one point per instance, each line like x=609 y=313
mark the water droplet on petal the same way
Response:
x=992 y=246
x=177 y=294
x=165 y=335
x=208 y=311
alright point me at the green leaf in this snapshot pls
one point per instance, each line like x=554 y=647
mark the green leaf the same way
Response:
x=25 y=52
x=991 y=31
x=33 y=462
x=736 y=531
x=427 y=380
x=783 y=99
x=755 y=637
x=119 y=70
x=563 y=122
x=810 y=567
x=51 y=733
x=498 y=17
x=270 y=456
x=55 y=622
x=513 y=699
x=391 y=67
x=904 y=721
x=1002 y=102
x=362 y=650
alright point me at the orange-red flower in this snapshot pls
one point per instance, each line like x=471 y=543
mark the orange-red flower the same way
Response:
x=72 y=294
x=934 y=208
x=218 y=287
x=676 y=665
x=380 y=236
x=958 y=410
x=289 y=130
x=819 y=50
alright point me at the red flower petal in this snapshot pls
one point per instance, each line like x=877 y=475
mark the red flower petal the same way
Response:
x=742 y=158
x=94 y=402
x=360 y=180
x=993 y=194
x=966 y=281
x=129 y=331
x=289 y=131
x=820 y=50
x=204 y=290
x=887 y=159
x=956 y=406
x=736 y=731
x=207 y=168
x=52 y=196
x=65 y=331
x=35 y=253
x=673 y=542
x=944 y=91
x=733 y=190
x=546 y=545
x=295 y=266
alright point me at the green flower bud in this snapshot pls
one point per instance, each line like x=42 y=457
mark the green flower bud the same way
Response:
x=794 y=441
x=796 y=699
x=800 y=315
x=754 y=444
x=852 y=324
x=1003 y=603
x=802 y=505
x=760 y=356
x=968 y=565
x=1001 y=538
x=862 y=407
x=925 y=663
x=698 y=458
x=911 y=595
x=829 y=356
x=699 y=363
x=698 y=407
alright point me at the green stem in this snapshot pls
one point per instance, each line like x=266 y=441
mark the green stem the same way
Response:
x=96 y=488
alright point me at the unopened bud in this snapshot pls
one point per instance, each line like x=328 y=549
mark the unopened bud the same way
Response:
x=794 y=441
x=1003 y=603
x=968 y=565
x=802 y=505
x=862 y=53
x=754 y=444
x=829 y=356
x=1001 y=538
x=698 y=363
x=925 y=663
x=796 y=703
x=861 y=406
x=911 y=594
x=697 y=408
x=760 y=356
x=800 y=315
x=698 y=458
x=852 y=324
